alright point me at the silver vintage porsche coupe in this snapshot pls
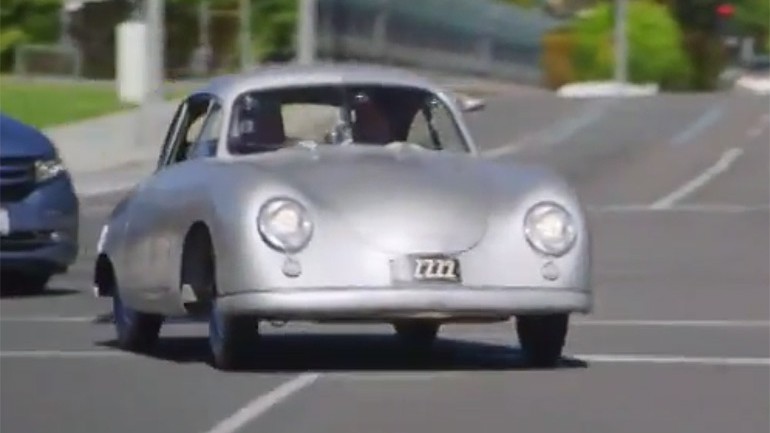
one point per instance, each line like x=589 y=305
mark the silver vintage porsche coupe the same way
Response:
x=340 y=193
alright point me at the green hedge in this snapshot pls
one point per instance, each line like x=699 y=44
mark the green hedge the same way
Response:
x=656 y=50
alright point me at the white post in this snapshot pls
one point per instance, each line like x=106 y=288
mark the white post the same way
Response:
x=155 y=17
x=621 y=42
x=306 y=32
x=247 y=58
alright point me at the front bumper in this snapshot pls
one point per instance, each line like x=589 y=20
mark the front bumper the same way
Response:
x=43 y=229
x=442 y=302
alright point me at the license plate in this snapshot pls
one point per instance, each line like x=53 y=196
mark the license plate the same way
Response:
x=435 y=268
x=5 y=222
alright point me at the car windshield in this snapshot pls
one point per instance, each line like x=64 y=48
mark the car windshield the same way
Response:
x=337 y=115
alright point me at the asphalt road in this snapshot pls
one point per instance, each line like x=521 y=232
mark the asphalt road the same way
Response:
x=677 y=190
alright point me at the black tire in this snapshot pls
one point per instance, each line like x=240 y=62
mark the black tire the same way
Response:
x=199 y=271
x=542 y=338
x=29 y=283
x=233 y=340
x=136 y=331
x=36 y=283
x=417 y=336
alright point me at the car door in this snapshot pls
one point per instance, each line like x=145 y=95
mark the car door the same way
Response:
x=148 y=206
x=166 y=196
x=134 y=256
x=181 y=190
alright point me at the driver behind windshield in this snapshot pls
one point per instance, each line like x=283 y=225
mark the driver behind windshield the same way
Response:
x=258 y=126
x=370 y=123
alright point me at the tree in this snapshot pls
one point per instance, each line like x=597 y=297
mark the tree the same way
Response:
x=26 y=21
x=752 y=17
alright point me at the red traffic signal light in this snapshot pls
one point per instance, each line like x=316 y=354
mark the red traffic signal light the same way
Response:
x=725 y=10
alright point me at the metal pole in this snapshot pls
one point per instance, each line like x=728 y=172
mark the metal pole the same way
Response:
x=306 y=32
x=204 y=21
x=155 y=16
x=247 y=57
x=64 y=21
x=621 y=42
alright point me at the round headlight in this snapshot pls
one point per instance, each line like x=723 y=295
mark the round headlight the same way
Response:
x=285 y=225
x=549 y=228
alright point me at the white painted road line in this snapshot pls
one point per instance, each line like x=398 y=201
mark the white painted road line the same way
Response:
x=699 y=125
x=260 y=405
x=71 y=354
x=49 y=319
x=263 y=403
x=702 y=208
x=722 y=165
x=556 y=133
x=678 y=323
x=705 y=323
x=666 y=359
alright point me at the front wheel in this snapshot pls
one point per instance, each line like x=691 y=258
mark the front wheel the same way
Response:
x=417 y=336
x=25 y=282
x=232 y=340
x=136 y=331
x=542 y=338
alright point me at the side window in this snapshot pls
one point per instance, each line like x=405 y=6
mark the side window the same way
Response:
x=434 y=127
x=205 y=143
x=419 y=132
x=190 y=127
x=168 y=142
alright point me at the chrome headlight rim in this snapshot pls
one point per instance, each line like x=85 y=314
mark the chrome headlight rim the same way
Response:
x=48 y=168
x=536 y=240
x=289 y=243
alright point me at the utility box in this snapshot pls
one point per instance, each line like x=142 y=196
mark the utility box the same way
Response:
x=132 y=62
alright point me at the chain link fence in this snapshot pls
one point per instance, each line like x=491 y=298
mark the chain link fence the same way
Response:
x=479 y=37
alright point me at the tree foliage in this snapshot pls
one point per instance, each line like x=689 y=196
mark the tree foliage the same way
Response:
x=655 y=45
x=32 y=21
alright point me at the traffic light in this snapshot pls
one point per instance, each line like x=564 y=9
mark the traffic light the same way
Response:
x=725 y=11
x=724 y=19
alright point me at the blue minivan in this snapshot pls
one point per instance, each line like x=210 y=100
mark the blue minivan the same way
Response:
x=38 y=209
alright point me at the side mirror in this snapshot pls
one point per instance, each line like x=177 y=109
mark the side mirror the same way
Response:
x=469 y=104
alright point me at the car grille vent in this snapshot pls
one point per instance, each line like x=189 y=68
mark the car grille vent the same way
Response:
x=17 y=179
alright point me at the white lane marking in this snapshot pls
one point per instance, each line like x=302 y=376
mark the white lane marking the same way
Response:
x=584 y=322
x=260 y=405
x=704 y=121
x=724 y=163
x=678 y=323
x=556 y=133
x=72 y=354
x=704 y=208
x=264 y=402
x=49 y=319
x=673 y=359
x=393 y=377
x=510 y=148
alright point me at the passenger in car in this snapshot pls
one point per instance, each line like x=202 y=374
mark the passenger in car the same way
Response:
x=260 y=127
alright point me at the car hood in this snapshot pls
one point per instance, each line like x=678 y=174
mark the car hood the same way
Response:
x=401 y=201
x=18 y=140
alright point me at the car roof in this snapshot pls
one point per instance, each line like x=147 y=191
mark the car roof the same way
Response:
x=228 y=87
